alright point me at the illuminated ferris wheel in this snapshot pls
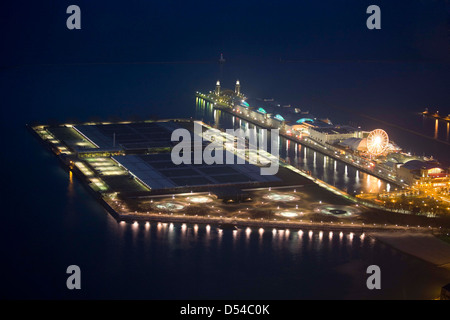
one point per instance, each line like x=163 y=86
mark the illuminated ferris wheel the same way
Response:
x=377 y=142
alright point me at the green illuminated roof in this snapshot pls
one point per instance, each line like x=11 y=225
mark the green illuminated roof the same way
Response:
x=262 y=110
x=304 y=120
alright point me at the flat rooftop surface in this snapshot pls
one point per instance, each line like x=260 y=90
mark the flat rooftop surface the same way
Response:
x=129 y=135
x=157 y=170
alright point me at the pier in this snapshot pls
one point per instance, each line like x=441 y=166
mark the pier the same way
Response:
x=329 y=150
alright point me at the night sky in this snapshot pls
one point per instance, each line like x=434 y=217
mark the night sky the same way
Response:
x=134 y=31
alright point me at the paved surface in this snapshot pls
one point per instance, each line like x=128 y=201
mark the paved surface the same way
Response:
x=424 y=246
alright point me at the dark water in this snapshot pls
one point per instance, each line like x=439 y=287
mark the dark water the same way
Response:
x=51 y=74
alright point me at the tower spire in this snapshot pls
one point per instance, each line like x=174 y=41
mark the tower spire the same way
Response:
x=221 y=59
x=217 y=88
x=221 y=63
x=237 y=88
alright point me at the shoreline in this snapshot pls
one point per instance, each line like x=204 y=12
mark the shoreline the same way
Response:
x=244 y=223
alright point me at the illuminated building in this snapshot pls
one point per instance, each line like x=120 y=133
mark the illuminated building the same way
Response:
x=376 y=143
x=227 y=97
x=420 y=172
x=333 y=134
x=355 y=144
x=217 y=92
x=237 y=88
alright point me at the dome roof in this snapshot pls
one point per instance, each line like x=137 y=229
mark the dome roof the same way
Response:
x=355 y=143
x=418 y=165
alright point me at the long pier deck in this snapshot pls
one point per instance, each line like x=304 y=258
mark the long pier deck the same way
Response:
x=329 y=151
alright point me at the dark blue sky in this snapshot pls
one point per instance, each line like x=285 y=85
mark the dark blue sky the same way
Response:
x=117 y=31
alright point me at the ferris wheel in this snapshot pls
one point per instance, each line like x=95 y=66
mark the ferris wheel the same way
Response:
x=377 y=142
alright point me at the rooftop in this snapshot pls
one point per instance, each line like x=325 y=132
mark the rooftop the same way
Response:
x=336 y=130
x=418 y=165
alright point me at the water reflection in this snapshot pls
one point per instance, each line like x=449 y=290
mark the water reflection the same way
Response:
x=219 y=236
x=195 y=230
x=436 y=128
x=134 y=232
x=70 y=190
x=350 y=237
x=261 y=232
x=122 y=229
x=340 y=175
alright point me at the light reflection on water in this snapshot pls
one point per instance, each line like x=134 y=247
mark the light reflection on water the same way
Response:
x=340 y=175
x=436 y=129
